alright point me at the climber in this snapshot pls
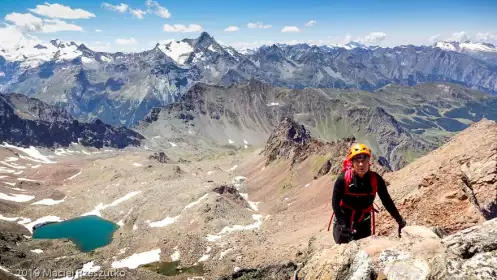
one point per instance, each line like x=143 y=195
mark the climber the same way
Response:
x=353 y=196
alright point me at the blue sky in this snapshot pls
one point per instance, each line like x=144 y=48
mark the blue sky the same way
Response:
x=138 y=24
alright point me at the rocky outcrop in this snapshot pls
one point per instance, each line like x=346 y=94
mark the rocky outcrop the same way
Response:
x=292 y=141
x=289 y=140
x=30 y=122
x=419 y=254
x=160 y=157
x=454 y=187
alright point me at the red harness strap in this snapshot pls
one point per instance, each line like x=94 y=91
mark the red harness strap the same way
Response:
x=370 y=208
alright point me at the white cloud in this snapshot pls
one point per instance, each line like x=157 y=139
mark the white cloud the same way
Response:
x=156 y=8
x=259 y=25
x=98 y=30
x=374 y=38
x=232 y=29
x=121 y=8
x=434 y=39
x=29 y=23
x=347 y=39
x=56 y=25
x=130 y=41
x=137 y=13
x=26 y=22
x=486 y=37
x=290 y=29
x=182 y=28
x=61 y=11
x=11 y=37
x=459 y=37
x=310 y=23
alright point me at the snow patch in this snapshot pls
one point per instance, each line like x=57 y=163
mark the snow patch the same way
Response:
x=273 y=104
x=233 y=168
x=10 y=184
x=101 y=206
x=230 y=141
x=173 y=144
x=48 y=201
x=135 y=227
x=13 y=165
x=75 y=175
x=120 y=223
x=204 y=258
x=35 y=166
x=210 y=172
x=11 y=159
x=136 y=260
x=176 y=255
x=178 y=51
x=253 y=205
x=245 y=141
x=213 y=238
x=16 y=197
x=10 y=273
x=5 y=170
x=122 y=251
x=37 y=251
x=32 y=152
x=88 y=60
x=306 y=185
x=105 y=58
x=224 y=253
x=18 y=172
x=137 y=164
x=29 y=225
x=255 y=225
x=196 y=202
x=9 y=219
x=165 y=222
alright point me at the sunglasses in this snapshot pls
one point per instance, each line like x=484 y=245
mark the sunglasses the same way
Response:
x=360 y=158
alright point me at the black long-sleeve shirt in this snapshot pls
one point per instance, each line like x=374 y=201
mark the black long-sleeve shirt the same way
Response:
x=360 y=185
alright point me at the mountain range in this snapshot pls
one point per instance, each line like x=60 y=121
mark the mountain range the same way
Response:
x=122 y=88
x=399 y=123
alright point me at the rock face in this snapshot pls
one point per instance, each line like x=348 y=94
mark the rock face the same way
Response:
x=419 y=254
x=453 y=187
x=31 y=122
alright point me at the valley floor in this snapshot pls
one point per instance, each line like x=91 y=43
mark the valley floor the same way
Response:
x=166 y=211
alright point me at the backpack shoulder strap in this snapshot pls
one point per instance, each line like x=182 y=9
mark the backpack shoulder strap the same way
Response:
x=374 y=182
x=348 y=180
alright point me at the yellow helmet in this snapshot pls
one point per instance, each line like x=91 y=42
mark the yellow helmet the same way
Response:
x=358 y=149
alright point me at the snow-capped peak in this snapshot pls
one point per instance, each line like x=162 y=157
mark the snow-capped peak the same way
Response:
x=465 y=46
x=350 y=45
x=34 y=54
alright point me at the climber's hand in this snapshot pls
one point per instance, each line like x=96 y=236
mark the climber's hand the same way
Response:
x=345 y=232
